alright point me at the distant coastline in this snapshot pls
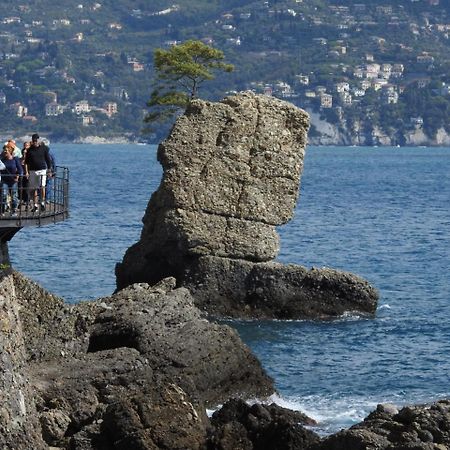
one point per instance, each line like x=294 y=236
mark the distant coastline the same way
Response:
x=329 y=137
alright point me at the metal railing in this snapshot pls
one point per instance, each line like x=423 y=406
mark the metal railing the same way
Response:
x=19 y=206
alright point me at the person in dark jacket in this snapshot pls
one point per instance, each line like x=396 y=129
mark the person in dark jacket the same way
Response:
x=37 y=165
x=9 y=178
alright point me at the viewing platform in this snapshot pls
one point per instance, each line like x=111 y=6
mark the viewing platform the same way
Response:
x=55 y=209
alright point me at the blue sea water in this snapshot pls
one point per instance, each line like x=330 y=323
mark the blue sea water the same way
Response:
x=382 y=213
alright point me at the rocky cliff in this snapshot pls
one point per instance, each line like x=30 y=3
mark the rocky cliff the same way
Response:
x=231 y=176
x=327 y=133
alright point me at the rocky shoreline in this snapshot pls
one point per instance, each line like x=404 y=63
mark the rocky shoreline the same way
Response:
x=137 y=370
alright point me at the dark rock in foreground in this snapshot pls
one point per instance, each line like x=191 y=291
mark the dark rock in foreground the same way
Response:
x=265 y=427
x=135 y=371
x=231 y=176
x=424 y=427
x=131 y=371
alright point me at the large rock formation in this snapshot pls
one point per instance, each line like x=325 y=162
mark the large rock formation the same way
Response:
x=231 y=176
x=131 y=371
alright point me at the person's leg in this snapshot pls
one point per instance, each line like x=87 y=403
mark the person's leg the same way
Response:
x=43 y=182
x=33 y=181
x=14 y=199
x=2 y=198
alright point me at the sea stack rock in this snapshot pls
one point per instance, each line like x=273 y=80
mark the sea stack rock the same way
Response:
x=231 y=175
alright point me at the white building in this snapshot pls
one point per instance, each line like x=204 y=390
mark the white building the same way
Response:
x=81 y=107
x=18 y=109
x=346 y=98
x=342 y=86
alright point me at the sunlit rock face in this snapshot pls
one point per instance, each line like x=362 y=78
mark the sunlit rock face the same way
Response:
x=231 y=175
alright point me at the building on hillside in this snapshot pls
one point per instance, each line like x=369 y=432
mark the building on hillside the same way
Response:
x=358 y=92
x=18 y=109
x=326 y=100
x=425 y=59
x=386 y=71
x=346 y=98
x=358 y=72
x=283 y=89
x=268 y=90
x=379 y=83
x=342 y=86
x=389 y=95
x=320 y=90
x=120 y=92
x=2 y=97
x=110 y=108
x=365 y=84
x=302 y=79
x=136 y=65
x=81 y=107
x=86 y=120
x=397 y=70
x=372 y=71
x=53 y=109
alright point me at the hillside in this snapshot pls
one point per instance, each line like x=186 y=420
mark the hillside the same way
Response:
x=377 y=72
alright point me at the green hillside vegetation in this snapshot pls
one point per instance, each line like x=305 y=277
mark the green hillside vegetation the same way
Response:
x=102 y=53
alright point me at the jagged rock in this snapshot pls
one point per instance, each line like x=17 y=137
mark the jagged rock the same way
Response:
x=19 y=426
x=134 y=370
x=421 y=427
x=231 y=175
x=54 y=425
x=263 y=427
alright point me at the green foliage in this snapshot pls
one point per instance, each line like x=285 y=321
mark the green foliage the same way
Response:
x=180 y=71
x=275 y=46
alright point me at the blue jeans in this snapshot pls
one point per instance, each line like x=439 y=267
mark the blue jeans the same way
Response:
x=8 y=196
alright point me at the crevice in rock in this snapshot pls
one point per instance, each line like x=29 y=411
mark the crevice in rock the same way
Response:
x=113 y=339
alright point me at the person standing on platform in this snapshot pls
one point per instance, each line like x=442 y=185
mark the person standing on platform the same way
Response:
x=37 y=165
x=9 y=177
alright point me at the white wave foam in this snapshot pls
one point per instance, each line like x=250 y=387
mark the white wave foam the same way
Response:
x=385 y=306
x=331 y=413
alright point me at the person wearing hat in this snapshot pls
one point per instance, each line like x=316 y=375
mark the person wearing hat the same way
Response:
x=37 y=164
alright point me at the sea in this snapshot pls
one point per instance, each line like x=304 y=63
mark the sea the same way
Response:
x=380 y=212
